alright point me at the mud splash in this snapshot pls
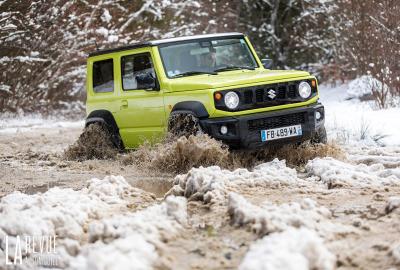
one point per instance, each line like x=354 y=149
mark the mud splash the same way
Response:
x=295 y=155
x=180 y=155
x=93 y=143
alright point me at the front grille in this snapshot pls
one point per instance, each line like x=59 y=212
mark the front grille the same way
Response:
x=272 y=95
x=277 y=121
x=267 y=95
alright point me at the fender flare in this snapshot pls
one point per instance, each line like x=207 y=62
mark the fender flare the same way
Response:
x=104 y=117
x=195 y=107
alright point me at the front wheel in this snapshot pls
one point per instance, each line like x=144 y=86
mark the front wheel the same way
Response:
x=184 y=124
x=95 y=142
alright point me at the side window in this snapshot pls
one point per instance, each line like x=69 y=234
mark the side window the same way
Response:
x=137 y=72
x=103 y=76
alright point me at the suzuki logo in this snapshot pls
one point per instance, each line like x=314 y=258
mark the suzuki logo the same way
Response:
x=271 y=93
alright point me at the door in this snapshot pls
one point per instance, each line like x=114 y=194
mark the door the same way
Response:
x=141 y=114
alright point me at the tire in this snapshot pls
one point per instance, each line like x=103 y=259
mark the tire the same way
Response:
x=95 y=142
x=320 y=136
x=183 y=124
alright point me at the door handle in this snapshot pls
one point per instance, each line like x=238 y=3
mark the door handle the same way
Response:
x=124 y=104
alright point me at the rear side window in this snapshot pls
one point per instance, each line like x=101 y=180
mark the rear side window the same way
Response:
x=103 y=76
x=135 y=70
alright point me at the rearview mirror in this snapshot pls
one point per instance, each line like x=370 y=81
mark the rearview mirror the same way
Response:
x=146 y=81
x=267 y=63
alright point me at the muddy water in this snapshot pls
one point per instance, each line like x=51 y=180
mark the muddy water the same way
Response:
x=43 y=158
x=34 y=161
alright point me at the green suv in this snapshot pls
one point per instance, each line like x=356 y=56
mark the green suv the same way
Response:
x=214 y=84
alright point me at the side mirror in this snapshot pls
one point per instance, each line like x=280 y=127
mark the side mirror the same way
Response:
x=147 y=81
x=267 y=63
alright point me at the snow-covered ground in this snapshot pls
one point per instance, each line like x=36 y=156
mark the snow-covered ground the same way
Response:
x=26 y=123
x=117 y=237
x=351 y=121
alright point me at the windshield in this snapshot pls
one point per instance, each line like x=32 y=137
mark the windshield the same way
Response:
x=206 y=56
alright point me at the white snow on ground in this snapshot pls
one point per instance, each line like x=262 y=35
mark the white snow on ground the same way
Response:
x=395 y=253
x=293 y=249
x=26 y=123
x=270 y=217
x=387 y=156
x=130 y=240
x=392 y=204
x=355 y=122
x=102 y=207
x=211 y=184
x=292 y=233
x=335 y=173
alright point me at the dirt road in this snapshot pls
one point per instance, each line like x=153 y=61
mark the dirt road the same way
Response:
x=350 y=205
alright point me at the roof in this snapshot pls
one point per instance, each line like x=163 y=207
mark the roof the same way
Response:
x=163 y=41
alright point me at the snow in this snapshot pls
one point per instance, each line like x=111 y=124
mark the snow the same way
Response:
x=60 y=211
x=106 y=17
x=5 y=88
x=297 y=249
x=130 y=240
x=26 y=123
x=387 y=156
x=363 y=86
x=336 y=173
x=354 y=122
x=392 y=204
x=210 y=184
x=118 y=238
x=269 y=217
x=395 y=253
x=21 y=59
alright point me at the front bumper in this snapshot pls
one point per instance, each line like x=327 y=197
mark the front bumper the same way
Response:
x=245 y=131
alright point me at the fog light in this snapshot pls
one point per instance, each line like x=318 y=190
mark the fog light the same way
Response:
x=318 y=115
x=224 y=130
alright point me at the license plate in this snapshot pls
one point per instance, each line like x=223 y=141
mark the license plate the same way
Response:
x=280 y=133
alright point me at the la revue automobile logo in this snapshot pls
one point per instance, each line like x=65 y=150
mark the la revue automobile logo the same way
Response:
x=271 y=93
x=33 y=250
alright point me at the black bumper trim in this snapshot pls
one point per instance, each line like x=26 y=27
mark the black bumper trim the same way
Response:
x=240 y=136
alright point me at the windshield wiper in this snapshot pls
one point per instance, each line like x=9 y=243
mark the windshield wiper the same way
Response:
x=233 y=68
x=193 y=73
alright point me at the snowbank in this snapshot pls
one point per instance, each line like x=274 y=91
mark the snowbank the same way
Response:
x=392 y=204
x=130 y=241
x=387 y=156
x=212 y=183
x=292 y=234
x=297 y=249
x=269 y=218
x=99 y=213
x=335 y=173
x=355 y=122
x=27 y=123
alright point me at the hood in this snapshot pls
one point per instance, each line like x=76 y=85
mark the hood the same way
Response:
x=233 y=78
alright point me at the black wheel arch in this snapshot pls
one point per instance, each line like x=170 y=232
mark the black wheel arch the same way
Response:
x=195 y=107
x=104 y=117
x=107 y=119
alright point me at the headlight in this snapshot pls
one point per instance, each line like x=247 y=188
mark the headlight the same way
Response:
x=304 y=90
x=231 y=100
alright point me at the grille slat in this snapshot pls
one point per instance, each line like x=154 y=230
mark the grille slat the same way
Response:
x=281 y=92
x=248 y=97
x=259 y=95
x=276 y=122
x=292 y=91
